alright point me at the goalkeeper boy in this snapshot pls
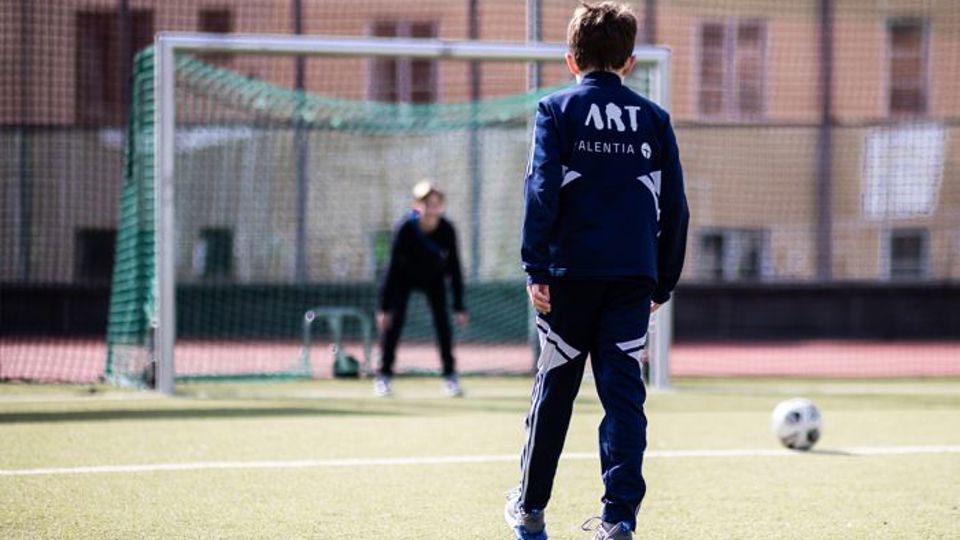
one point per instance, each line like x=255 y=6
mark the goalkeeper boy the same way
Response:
x=603 y=244
x=423 y=256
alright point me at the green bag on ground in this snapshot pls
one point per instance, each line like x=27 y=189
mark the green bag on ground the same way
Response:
x=346 y=367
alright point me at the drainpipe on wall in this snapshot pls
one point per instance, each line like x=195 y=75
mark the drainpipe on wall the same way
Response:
x=534 y=34
x=301 y=140
x=534 y=74
x=649 y=35
x=26 y=195
x=473 y=33
x=824 y=145
x=125 y=39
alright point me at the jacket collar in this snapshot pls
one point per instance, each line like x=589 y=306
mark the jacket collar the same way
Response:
x=602 y=78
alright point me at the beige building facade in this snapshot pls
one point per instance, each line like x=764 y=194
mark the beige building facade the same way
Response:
x=746 y=103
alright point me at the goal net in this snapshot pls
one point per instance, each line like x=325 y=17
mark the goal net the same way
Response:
x=281 y=182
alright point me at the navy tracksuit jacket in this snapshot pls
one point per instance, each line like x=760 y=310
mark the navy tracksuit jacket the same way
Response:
x=605 y=226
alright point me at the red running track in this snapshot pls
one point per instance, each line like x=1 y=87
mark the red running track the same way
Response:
x=83 y=360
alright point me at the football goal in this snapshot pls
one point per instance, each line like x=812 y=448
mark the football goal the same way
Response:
x=265 y=174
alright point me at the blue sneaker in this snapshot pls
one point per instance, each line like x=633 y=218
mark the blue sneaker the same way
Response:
x=524 y=525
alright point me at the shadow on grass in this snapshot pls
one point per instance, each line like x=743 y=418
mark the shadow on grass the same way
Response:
x=183 y=414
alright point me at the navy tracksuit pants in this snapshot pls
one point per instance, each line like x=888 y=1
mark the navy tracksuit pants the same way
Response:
x=607 y=319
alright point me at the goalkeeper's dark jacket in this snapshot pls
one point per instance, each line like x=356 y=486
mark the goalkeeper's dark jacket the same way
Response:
x=420 y=260
x=604 y=188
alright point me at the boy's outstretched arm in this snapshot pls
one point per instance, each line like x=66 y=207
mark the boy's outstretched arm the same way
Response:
x=542 y=197
x=674 y=216
x=456 y=282
x=388 y=291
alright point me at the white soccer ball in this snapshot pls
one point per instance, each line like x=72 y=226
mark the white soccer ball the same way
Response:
x=797 y=423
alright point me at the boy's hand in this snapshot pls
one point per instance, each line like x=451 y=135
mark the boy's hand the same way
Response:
x=383 y=321
x=540 y=296
x=654 y=307
x=462 y=318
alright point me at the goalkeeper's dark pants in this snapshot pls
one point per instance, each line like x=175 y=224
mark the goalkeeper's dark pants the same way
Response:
x=607 y=319
x=437 y=300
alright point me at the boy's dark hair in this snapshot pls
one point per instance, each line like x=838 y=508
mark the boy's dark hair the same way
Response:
x=602 y=35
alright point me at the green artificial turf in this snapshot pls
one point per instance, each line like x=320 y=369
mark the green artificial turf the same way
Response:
x=822 y=494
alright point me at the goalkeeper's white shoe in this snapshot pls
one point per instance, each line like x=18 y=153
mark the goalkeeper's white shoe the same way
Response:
x=524 y=525
x=382 y=386
x=451 y=386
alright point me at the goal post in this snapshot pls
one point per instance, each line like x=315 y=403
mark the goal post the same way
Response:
x=653 y=61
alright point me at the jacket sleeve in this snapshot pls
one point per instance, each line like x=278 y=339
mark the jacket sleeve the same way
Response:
x=398 y=251
x=674 y=216
x=456 y=272
x=542 y=196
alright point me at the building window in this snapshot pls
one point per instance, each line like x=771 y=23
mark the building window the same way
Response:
x=402 y=80
x=218 y=21
x=732 y=255
x=213 y=254
x=909 y=61
x=908 y=253
x=102 y=67
x=711 y=256
x=732 y=70
x=93 y=250
x=903 y=169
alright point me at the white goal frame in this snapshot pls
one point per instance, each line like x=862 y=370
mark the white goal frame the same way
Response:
x=168 y=44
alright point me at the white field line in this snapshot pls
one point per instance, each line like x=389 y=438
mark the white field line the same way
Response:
x=444 y=460
x=66 y=398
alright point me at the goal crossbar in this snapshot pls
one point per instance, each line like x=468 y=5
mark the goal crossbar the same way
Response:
x=168 y=44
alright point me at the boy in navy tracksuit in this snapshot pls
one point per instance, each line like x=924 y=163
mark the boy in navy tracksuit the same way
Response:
x=604 y=238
